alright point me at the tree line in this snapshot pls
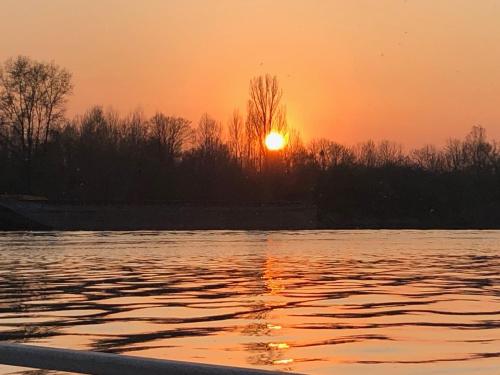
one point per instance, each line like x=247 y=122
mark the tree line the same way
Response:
x=102 y=156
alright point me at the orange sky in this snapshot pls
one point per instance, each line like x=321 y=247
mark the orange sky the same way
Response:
x=413 y=71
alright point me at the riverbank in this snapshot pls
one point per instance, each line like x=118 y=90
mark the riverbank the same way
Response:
x=11 y=221
x=35 y=214
x=32 y=213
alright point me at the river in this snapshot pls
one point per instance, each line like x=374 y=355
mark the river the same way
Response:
x=317 y=302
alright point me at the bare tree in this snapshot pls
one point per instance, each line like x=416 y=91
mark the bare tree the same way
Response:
x=208 y=134
x=366 y=153
x=100 y=130
x=384 y=153
x=328 y=154
x=265 y=110
x=133 y=128
x=390 y=153
x=33 y=95
x=478 y=152
x=453 y=155
x=318 y=149
x=236 y=136
x=474 y=152
x=428 y=158
x=251 y=149
x=170 y=134
x=295 y=151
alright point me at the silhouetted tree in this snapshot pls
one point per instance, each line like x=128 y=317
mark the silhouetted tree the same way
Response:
x=236 y=136
x=265 y=110
x=327 y=154
x=428 y=158
x=208 y=134
x=32 y=102
x=170 y=134
x=478 y=152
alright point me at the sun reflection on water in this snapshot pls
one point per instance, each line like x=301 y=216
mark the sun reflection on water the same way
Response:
x=281 y=345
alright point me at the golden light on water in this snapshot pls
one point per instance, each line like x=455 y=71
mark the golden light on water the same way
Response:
x=283 y=361
x=275 y=141
x=280 y=345
x=273 y=326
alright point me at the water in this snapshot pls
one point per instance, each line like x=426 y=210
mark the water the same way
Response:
x=319 y=302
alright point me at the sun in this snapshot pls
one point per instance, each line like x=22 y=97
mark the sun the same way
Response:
x=275 y=141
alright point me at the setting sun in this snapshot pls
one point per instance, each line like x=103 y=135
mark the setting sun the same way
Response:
x=275 y=141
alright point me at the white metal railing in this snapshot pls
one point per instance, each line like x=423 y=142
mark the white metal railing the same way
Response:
x=86 y=362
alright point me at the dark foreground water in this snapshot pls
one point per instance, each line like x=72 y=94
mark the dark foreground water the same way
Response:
x=319 y=302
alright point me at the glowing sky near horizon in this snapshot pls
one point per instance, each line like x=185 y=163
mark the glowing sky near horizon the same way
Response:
x=413 y=71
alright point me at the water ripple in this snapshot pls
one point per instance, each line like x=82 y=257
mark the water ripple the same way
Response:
x=312 y=301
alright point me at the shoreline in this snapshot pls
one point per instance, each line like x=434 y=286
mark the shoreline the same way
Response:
x=45 y=215
x=40 y=215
